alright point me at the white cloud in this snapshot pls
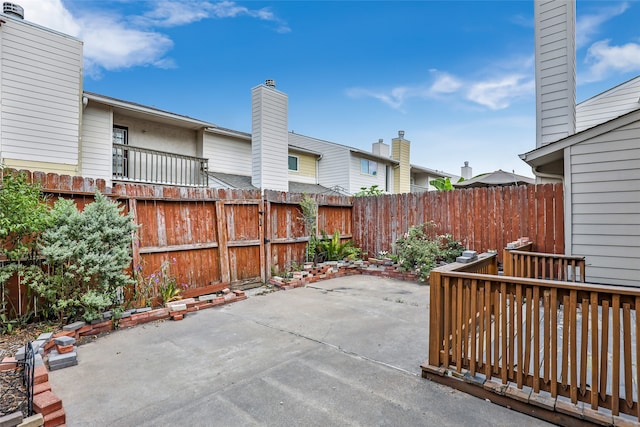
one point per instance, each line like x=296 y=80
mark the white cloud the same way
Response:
x=444 y=83
x=174 y=13
x=498 y=94
x=604 y=59
x=589 y=25
x=394 y=98
x=112 y=42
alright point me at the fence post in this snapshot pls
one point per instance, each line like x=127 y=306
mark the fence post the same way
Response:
x=435 y=318
x=223 y=248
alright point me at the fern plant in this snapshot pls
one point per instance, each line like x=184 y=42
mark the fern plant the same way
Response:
x=333 y=250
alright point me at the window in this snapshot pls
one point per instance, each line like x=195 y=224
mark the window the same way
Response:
x=369 y=167
x=120 y=165
x=293 y=163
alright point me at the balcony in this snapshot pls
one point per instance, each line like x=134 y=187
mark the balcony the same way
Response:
x=134 y=164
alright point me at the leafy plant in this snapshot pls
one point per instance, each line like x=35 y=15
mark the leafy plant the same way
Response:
x=86 y=254
x=168 y=289
x=23 y=215
x=333 y=250
x=421 y=249
x=160 y=284
x=442 y=184
x=371 y=191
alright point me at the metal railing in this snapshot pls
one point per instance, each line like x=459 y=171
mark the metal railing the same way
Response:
x=16 y=385
x=145 y=165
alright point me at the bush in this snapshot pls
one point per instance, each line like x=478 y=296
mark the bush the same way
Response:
x=85 y=254
x=421 y=249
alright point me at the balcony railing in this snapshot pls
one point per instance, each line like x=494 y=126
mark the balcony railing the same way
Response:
x=158 y=167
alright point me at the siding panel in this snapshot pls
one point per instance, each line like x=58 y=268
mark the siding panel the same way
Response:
x=605 y=183
x=41 y=94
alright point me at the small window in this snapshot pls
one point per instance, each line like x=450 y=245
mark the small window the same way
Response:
x=293 y=163
x=369 y=167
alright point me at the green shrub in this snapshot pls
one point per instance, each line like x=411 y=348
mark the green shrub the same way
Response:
x=23 y=215
x=421 y=249
x=85 y=254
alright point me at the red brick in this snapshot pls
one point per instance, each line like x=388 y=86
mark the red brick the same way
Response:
x=41 y=388
x=48 y=346
x=63 y=334
x=8 y=363
x=46 y=403
x=55 y=419
x=40 y=375
x=177 y=317
x=160 y=313
x=205 y=305
x=84 y=329
x=64 y=348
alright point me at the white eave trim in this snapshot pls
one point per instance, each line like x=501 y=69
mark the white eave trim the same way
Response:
x=145 y=110
x=560 y=145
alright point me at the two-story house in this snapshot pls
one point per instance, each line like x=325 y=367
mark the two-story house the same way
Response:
x=48 y=123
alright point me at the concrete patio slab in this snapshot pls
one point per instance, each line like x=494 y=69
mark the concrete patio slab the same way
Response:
x=340 y=352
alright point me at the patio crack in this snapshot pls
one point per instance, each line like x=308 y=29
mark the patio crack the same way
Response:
x=329 y=345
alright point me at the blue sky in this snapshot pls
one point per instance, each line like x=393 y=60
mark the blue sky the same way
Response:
x=456 y=76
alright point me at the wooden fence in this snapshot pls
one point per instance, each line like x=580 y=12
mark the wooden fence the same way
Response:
x=481 y=218
x=215 y=237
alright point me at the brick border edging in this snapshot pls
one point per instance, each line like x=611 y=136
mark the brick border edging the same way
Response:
x=331 y=271
x=49 y=406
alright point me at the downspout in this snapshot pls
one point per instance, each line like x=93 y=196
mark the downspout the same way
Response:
x=318 y=158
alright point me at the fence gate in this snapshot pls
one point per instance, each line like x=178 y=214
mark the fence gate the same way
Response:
x=209 y=244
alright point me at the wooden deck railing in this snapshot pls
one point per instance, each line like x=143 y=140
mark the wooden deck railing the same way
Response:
x=521 y=262
x=569 y=339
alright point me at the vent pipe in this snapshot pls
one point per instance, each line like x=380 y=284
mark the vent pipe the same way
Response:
x=270 y=83
x=13 y=9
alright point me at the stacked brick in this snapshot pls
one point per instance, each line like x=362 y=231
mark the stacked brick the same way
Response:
x=61 y=352
x=48 y=406
x=331 y=270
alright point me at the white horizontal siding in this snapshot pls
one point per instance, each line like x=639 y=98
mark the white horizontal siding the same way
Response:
x=333 y=168
x=608 y=105
x=41 y=74
x=555 y=70
x=359 y=180
x=158 y=136
x=96 y=149
x=605 y=205
x=227 y=154
x=269 y=139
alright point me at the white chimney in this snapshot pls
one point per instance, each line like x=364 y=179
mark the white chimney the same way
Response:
x=465 y=171
x=380 y=148
x=555 y=59
x=269 y=138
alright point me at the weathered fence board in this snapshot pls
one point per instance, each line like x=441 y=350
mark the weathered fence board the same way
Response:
x=481 y=218
x=237 y=237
